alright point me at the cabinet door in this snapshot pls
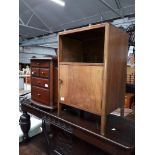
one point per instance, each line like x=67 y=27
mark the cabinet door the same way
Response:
x=81 y=87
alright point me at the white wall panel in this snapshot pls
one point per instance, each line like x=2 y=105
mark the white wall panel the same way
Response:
x=28 y=52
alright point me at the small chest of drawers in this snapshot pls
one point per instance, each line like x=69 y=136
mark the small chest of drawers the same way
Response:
x=43 y=82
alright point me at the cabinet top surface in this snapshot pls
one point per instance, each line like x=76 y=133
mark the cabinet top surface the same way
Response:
x=43 y=58
x=102 y=25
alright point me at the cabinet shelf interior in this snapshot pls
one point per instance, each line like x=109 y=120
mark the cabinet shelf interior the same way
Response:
x=84 y=46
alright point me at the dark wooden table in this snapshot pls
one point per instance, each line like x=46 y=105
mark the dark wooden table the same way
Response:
x=75 y=132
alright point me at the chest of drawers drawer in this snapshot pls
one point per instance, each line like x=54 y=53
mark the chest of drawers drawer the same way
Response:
x=40 y=72
x=40 y=63
x=34 y=71
x=44 y=72
x=41 y=82
x=40 y=94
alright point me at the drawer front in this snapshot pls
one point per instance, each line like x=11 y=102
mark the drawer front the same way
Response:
x=35 y=71
x=40 y=95
x=40 y=63
x=44 y=73
x=40 y=82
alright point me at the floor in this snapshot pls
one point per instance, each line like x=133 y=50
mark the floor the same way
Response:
x=35 y=146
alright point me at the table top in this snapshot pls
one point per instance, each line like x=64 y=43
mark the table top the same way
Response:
x=120 y=132
x=23 y=92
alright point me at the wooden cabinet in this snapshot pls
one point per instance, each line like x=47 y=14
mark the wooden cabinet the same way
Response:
x=44 y=82
x=92 y=69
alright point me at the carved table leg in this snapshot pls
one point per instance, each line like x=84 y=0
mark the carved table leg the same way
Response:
x=46 y=128
x=122 y=111
x=25 y=124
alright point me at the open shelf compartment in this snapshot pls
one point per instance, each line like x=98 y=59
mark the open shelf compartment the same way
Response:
x=84 y=46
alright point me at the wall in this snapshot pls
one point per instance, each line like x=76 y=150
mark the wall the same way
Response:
x=39 y=47
x=125 y=22
x=28 y=52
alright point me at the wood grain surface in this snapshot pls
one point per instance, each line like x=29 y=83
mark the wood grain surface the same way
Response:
x=115 y=71
x=40 y=94
x=81 y=87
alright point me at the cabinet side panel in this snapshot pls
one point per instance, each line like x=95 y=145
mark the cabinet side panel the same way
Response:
x=115 y=69
x=55 y=86
x=82 y=87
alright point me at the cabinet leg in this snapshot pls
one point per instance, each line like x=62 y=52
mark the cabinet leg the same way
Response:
x=48 y=134
x=122 y=111
x=25 y=124
x=103 y=123
x=59 y=109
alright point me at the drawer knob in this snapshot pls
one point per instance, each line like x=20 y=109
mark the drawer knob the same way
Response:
x=46 y=85
x=38 y=63
x=32 y=72
x=42 y=72
x=38 y=94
